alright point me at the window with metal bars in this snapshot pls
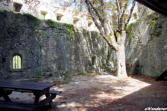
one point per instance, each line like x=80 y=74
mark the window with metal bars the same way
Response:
x=17 y=62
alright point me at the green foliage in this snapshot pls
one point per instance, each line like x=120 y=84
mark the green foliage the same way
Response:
x=65 y=81
x=69 y=30
x=117 y=34
x=85 y=73
x=52 y=23
x=130 y=28
x=155 y=75
x=81 y=73
x=40 y=32
x=135 y=15
x=4 y=11
x=35 y=21
x=154 y=17
x=37 y=76
x=65 y=77
x=156 y=27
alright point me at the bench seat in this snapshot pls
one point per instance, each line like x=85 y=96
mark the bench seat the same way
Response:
x=17 y=106
x=54 y=92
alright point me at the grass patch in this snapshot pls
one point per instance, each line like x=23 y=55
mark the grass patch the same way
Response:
x=87 y=73
x=82 y=73
x=37 y=76
x=155 y=75
x=65 y=77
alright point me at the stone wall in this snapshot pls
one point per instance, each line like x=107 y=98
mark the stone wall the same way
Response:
x=51 y=11
x=18 y=37
x=47 y=47
x=146 y=52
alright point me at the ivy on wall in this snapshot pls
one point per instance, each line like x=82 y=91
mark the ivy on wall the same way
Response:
x=130 y=28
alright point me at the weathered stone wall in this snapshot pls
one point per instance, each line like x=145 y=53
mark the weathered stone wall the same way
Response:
x=18 y=37
x=74 y=54
x=147 y=52
x=52 y=11
x=47 y=49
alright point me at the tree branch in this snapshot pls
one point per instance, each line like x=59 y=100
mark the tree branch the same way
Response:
x=92 y=15
x=118 y=10
x=102 y=5
x=95 y=10
x=121 y=18
x=131 y=11
x=101 y=30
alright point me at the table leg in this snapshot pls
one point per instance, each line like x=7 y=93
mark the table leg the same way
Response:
x=6 y=97
x=37 y=97
x=5 y=94
x=47 y=94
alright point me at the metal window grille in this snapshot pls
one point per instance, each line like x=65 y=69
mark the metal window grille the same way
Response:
x=17 y=62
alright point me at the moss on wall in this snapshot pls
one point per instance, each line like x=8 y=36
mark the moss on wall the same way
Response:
x=69 y=28
x=153 y=17
x=52 y=23
x=130 y=28
x=155 y=26
x=35 y=21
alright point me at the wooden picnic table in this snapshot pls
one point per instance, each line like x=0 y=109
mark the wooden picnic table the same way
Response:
x=37 y=88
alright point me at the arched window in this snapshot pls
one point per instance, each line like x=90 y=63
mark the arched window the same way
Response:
x=93 y=60
x=17 y=62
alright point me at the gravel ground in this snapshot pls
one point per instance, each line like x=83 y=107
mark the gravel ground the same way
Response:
x=105 y=93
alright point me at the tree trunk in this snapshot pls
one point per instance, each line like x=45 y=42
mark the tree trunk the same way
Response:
x=120 y=56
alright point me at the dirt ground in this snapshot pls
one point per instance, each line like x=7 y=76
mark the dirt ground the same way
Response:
x=107 y=93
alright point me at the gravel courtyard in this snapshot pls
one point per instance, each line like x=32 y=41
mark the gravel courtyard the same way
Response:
x=106 y=93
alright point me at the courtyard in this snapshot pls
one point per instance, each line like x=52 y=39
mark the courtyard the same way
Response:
x=105 y=92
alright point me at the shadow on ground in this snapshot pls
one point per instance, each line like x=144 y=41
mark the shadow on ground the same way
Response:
x=111 y=94
x=108 y=93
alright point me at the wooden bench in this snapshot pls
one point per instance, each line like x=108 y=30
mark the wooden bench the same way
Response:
x=55 y=92
x=29 y=107
x=38 y=89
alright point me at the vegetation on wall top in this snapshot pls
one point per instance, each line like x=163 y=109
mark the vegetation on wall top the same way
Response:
x=52 y=23
x=32 y=19
x=69 y=28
